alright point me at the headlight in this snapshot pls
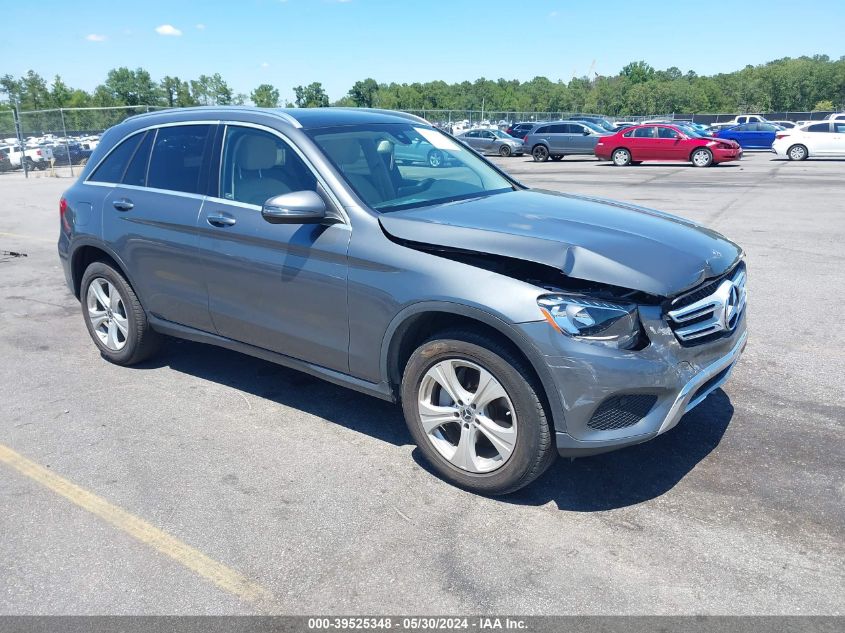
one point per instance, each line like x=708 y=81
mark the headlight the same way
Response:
x=612 y=324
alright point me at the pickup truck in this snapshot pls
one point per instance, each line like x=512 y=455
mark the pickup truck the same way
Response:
x=745 y=118
x=36 y=157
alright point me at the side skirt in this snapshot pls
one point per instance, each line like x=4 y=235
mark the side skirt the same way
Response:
x=379 y=390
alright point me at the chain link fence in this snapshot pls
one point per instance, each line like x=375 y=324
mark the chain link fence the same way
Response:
x=58 y=142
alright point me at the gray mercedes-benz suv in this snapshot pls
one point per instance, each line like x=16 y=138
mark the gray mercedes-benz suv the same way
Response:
x=508 y=322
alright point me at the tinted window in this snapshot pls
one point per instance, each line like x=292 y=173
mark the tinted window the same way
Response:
x=258 y=165
x=472 y=134
x=839 y=127
x=112 y=168
x=542 y=130
x=629 y=133
x=559 y=129
x=177 y=158
x=645 y=132
x=666 y=132
x=819 y=127
x=136 y=173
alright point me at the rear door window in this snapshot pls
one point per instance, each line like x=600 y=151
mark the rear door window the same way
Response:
x=819 y=127
x=178 y=155
x=112 y=168
x=645 y=132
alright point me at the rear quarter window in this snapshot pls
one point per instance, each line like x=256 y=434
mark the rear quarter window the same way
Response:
x=112 y=168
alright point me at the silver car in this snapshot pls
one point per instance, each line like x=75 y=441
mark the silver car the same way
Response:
x=559 y=138
x=492 y=142
x=511 y=324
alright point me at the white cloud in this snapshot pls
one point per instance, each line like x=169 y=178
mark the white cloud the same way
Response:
x=200 y=27
x=265 y=65
x=168 y=29
x=94 y=37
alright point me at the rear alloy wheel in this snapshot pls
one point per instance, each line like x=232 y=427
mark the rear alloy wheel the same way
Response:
x=505 y=151
x=435 y=158
x=540 y=154
x=797 y=152
x=702 y=158
x=474 y=413
x=114 y=317
x=621 y=157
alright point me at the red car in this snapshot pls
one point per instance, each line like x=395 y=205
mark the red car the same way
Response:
x=639 y=143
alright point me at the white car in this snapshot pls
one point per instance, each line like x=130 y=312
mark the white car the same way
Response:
x=786 y=124
x=825 y=138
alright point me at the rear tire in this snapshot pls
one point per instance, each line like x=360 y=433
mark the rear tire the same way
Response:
x=115 y=319
x=797 y=152
x=621 y=157
x=511 y=413
x=540 y=154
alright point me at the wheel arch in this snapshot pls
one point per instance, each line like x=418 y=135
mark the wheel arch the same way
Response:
x=419 y=322
x=85 y=254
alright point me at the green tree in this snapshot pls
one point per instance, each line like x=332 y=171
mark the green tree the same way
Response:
x=60 y=93
x=824 y=105
x=364 y=92
x=131 y=87
x=265 y=96
x=311 y=96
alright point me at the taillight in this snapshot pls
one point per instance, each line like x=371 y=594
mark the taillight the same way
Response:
x=779 y=136
x=63 y=215
x=524 y=138
x=38 y=152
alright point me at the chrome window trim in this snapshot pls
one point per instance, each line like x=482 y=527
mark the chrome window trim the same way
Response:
x=156 y=126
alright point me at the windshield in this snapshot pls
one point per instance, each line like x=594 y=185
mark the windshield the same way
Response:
x=501 y=134
x=397 y=166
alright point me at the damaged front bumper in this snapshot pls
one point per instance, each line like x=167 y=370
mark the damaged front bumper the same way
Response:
x=661 y=383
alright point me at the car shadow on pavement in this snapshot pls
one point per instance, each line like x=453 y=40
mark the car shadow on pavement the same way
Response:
x=600 y=482
x=288 y=387
x=634 y=474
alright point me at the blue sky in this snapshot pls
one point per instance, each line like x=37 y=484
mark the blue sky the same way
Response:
x=336 y=42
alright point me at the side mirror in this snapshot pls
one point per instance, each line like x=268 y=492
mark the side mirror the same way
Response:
x=586 y=132
x=297 y=207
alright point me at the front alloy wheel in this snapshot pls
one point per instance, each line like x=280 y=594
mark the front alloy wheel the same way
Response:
x=435 y=158
x=467 y=415
x=473 y=407
x=702 y=158
x=505 y=151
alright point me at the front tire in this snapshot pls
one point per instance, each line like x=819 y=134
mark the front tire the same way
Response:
x=797 y=152
x=473 y=410
x=435 y=158
x=504 y=151
x=702 y=158
x=540 y=154
x=115 y=319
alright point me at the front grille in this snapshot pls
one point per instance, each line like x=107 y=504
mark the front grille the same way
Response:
x=621 y=411
x=711 y=311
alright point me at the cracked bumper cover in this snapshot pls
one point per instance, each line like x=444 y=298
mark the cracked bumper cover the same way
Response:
x=586 y=375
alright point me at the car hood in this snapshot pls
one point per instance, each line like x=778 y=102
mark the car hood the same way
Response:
x=591 y=239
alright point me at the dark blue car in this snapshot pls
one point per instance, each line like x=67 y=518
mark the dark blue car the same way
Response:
x=752 y=135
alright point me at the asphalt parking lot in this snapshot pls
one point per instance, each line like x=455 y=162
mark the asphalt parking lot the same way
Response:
x=225 y=484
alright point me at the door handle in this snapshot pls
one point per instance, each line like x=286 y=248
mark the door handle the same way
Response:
x=220 y=219
x=123 y=204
